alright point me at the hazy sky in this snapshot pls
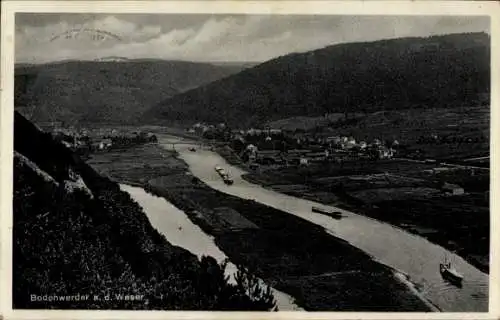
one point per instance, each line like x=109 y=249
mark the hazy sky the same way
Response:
x=214 y=37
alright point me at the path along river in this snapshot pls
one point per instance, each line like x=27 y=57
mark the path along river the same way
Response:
x=174 y=224
x=412 y=255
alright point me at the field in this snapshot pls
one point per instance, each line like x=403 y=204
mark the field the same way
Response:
x=460 y=223
x=305 y=123
x=132 y=169
x=284 y=250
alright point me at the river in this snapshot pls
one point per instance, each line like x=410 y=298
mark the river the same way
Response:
x=410 y=254
x=178 y=229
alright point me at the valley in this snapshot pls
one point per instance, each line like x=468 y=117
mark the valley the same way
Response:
x=336 y=179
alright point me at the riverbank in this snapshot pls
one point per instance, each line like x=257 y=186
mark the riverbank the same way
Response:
x=179 y=230
x=459 y=224
x=79 y=242
x=320 y=271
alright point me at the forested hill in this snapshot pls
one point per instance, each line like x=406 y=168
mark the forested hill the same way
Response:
x=77 y=233
x=432 y=72
x=106 y=91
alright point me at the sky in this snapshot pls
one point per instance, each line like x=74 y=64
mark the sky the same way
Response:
x=45 y=37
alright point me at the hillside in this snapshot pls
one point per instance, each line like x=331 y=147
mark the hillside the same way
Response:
x=433 y=72
x=77 y=233
x=106 y=91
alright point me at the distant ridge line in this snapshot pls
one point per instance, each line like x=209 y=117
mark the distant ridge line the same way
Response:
x=112 y=59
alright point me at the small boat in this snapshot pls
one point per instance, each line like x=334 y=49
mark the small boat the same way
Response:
x=331 y=214
x=224 y=175
x=228 y=180
x=450 y=274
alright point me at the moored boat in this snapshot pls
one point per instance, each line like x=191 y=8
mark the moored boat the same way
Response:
x=224 y=175
x=451 y=274
x=331 y=214
x=227 y=180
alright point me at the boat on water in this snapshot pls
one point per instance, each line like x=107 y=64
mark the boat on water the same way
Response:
x=224 y=175
x=332 y=214
x=227 y=180
x=450 y=274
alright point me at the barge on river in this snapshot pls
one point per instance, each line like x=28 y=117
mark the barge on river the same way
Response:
x=224 y=175
x=332 y=214
x=450 y=274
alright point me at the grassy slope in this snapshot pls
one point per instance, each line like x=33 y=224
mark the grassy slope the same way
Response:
x=107 y=91
x=396 y=74
x=67 y=243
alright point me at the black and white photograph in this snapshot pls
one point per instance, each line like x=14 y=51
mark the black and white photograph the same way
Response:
x=211 y=161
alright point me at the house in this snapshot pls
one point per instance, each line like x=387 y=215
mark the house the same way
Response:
x=237 y=132
x=67 y=144
x=269 y=156
x=385 y=153
x=239 y=137
x=254 y=132
x=251 y=150
x=107 y=142
x=452 y=189
x=349 y=143
x=376 y=142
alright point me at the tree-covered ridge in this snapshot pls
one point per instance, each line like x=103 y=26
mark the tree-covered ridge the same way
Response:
x=106 y=91
x=94 y=240
x=432 y=72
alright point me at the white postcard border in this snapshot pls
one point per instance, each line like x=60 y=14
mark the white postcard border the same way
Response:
x=9 y=8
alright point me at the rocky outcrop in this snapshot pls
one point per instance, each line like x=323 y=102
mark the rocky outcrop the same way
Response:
x=23 y=161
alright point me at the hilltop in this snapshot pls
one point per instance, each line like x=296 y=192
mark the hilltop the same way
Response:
x=76 y=233
x=406 y=73
x=114 y=90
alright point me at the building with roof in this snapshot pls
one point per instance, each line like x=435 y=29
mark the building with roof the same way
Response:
x=303 y=161
x=452 y=189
